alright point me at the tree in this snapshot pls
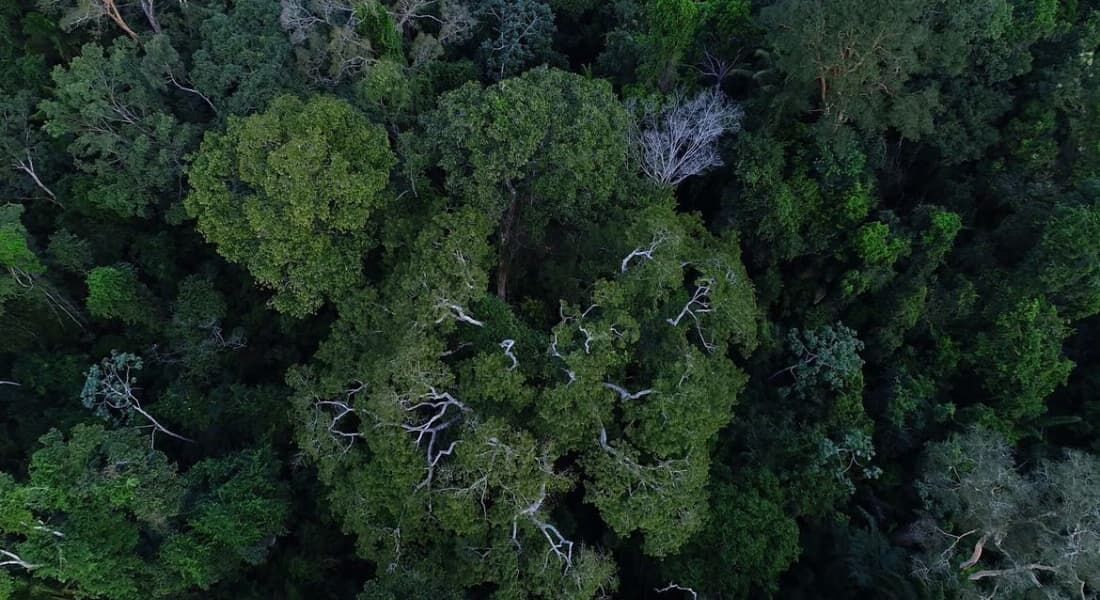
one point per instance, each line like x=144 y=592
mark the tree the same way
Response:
x=23 y=144
x=244 y=59
x=748 y=542
x=77 y=13
x=110 y=390
x=115 y=293
x=654 y=37
x=826 y=357
x=122 y=133
x=1064 y=262
x=128 y=525
x=434 y=26
x=295 y=194
x=635 y=383
x=521 y=35
x=24 y=286
x=337 y=40
x=1020 y=362
x=860 y=58
x=506 y=151
x=1004 y=531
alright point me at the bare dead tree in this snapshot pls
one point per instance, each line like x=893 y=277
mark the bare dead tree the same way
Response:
x=682 y=139
x=517 y=26
x=330 y=31
x=458 y=23
x=297 y=19
x=406 y=13
x=715 y=67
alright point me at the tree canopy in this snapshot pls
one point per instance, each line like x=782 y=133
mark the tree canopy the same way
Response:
x=655 y=299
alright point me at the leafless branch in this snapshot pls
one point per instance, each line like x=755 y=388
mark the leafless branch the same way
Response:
x=644 y=253
x=27 y=166
x=697 y=305
x=507 y=346
x=456 y=312
x=116 y=390
x=681 y=140
x=676 y=587
x=14 y=560
x=435 y=414
x=625 y=394
x=559 y=545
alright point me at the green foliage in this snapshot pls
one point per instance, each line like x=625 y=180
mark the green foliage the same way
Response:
x=114 y=112
x=747 y=543
x=243 y=62
x=486 y=139
x=856 y=57
x=115 y=293
x=521 y=35
x=99 y=496
x=400 y=271
x=1064 y=262
x=876 y=246
x=70 y=252
x=14 y=252
x=1020 y=361
x=827 y=357
x=294 y=194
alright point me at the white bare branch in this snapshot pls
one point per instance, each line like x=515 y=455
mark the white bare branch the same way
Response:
x=42 y=527
x=190 y=90
x=457 y=312
x=507 y=346
x=150 y=9
x=27 y=166
x=625 y=394
x=8 y=559
x=681 y=140
x=407 y=12
x=644 y=252
x=697 y=305
x=112 y=385
x=1029 y=568
x=559 y=545
x=679 y=588
x=433 y=416
x=337 y=411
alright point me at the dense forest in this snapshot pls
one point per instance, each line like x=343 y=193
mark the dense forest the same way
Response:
x=666 y=299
